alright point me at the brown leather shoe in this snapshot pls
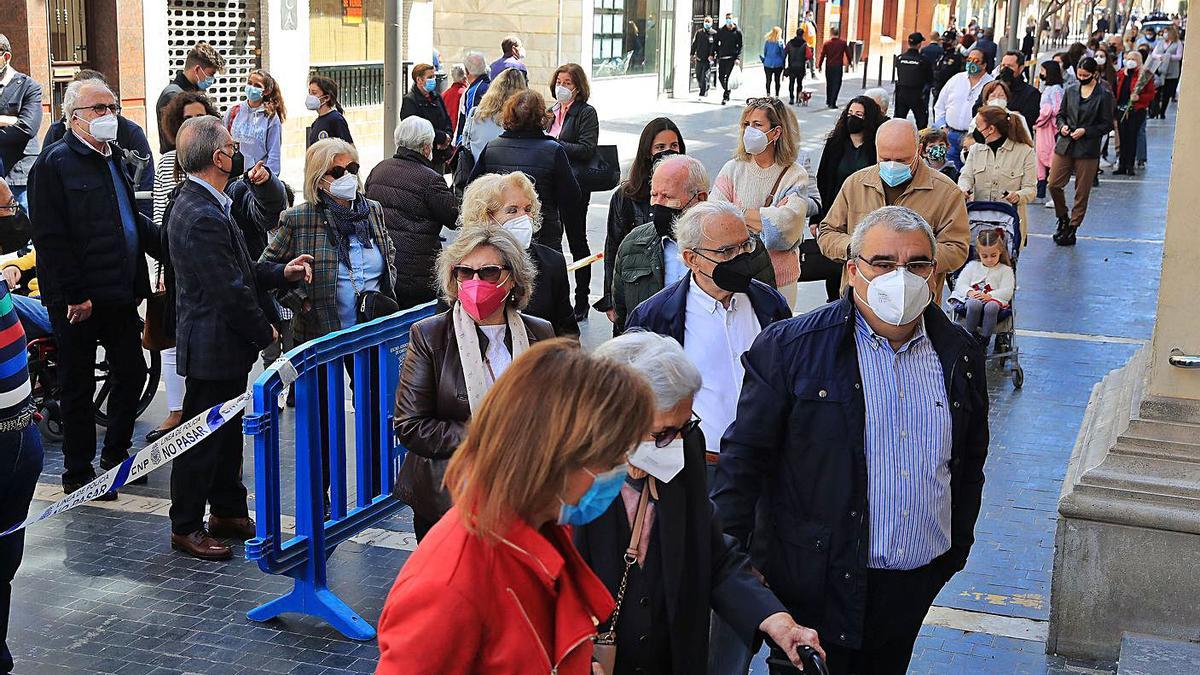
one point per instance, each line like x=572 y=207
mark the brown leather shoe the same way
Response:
x=240 y=529
x=200 y=545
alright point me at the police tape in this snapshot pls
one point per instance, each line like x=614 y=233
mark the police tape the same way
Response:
x=181 y=439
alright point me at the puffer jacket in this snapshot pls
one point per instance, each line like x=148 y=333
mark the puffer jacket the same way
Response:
x=417 y=204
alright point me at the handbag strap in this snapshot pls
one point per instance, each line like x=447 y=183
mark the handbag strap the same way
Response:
x=631 y=553
x=774 y=188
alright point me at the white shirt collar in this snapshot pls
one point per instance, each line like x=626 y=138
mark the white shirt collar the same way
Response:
x=700 y=299
x=107 y=152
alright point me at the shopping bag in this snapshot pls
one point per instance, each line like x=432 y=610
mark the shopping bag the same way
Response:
x=735 y=77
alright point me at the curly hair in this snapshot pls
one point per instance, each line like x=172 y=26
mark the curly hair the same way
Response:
x=172 y=115
x=484 y=198
x=204 y=55
x=520 y=267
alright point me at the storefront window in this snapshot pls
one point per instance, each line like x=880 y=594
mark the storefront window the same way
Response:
x=345 y=31
x=624 y=37
x=756 y=18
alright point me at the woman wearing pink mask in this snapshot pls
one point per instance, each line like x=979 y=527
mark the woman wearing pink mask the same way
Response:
x=454 y=357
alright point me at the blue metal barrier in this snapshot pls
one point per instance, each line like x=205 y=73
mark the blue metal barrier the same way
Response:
x=376 y=350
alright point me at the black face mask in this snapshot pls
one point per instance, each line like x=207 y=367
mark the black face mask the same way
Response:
x=735 y=275
x=237 y=165
x=14 y=231
x=978 y=136
x=1086 y=80
x=855 y=124
x=659 y=156
x=664 y=219
x=1007 y=75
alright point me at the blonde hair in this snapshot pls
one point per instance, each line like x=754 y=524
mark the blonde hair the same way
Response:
x=554 y=411
x=787 y=146
x=507 y=83
x=774 y=34
x=520 y=267
x=484 y=198
x=317 y=161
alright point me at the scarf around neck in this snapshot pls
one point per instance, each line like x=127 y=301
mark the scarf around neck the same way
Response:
x=346 y=222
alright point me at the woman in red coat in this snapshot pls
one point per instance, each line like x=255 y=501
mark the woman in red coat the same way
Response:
x=497 y=586
x=1135 y=91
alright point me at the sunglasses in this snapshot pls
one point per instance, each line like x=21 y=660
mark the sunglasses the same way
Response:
x=336 y=172
x=667 y=436
x=488 y=273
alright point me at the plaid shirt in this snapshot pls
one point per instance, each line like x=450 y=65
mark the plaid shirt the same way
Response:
x=305 y=229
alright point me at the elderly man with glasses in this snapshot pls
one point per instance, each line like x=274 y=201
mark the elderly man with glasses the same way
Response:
x=863 y=428
x=92 y=244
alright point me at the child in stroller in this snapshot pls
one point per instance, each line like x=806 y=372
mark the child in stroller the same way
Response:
x=984 y=290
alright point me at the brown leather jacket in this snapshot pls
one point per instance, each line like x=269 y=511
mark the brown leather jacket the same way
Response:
x=432 y=409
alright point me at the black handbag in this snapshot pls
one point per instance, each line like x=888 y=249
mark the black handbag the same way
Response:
x=814 y=266
x=602 y=172
x=370 y=305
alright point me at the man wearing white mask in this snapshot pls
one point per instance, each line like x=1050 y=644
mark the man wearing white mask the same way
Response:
x=664 y=519
x=92 y=244
x=901 y=178
x=864 y=426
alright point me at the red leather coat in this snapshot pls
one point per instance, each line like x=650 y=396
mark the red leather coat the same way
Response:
x=524 y=604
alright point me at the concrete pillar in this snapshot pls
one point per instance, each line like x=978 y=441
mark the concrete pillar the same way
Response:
x=1127 y=545
x=157 y=71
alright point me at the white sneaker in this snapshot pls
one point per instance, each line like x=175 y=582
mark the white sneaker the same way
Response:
x=283 y=394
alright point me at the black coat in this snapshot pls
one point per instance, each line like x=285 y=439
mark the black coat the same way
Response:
x=417 y=204
x=704 y=44
x=827 y=170
x=221 y=292
x=798 y=445
x=729 y=43
x=20 y=98
x=432 y=108
x=551 y=299
x=77 y=229
x=131 y=138
x=624 y=214
x=579 y=134
x=545 y=161
x=703 y=568
x=796 y=51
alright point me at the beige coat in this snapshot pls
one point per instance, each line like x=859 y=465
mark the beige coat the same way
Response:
x=929 y=193
x=1012 y=168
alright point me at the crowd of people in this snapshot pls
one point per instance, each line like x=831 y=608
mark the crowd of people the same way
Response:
x=820 y=475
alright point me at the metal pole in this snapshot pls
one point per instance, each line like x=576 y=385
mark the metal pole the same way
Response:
x=1014 y=24
x=393 y=73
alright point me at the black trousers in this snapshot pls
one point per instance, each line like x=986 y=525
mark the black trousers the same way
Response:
x=211 y=472
x=702 y=69
x=913 y=100
x=833 y=83
x=118 y=328
x=21 y=457
x=773 y=73
x=1165 y=94
x=724 y=68
x=897 y=602
x=1128 y=131
x=795 y=83
x=421 y=527
x=551 y=235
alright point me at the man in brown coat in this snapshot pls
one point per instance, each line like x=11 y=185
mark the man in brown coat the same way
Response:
x=900 y=178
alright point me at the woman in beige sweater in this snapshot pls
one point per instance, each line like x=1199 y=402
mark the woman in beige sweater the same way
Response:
x=1004 y=166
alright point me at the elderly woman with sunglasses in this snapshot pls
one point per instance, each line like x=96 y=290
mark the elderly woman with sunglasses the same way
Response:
x=344 y=231
x=454 y=357
x=683 y=560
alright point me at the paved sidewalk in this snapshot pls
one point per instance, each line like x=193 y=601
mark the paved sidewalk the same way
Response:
x=100 y=590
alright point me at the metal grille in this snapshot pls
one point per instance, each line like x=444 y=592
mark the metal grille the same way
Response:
x=68 y=32
x=230 y=26
x=358 y=85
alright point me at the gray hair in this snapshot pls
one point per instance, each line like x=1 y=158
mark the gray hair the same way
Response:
x=5 y=45
x=475 y=63
x=458 y=72
x=75 y=89
x=689 y=228
x=414 y=133
x=697 y=175
x=520 y=267
x=881 y=97
x=196 y=142
x=661 y=360
x=896 y=219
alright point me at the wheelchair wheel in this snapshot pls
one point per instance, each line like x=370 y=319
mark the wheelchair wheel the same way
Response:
x=149 y=391
x=1018 y=377
x=51 y=424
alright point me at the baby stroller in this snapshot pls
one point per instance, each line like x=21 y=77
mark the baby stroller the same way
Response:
x=1000 y=216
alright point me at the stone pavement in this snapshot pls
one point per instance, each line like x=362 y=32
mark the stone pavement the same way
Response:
x=100 y=590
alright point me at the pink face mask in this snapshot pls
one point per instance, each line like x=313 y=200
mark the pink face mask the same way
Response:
x=480 y=298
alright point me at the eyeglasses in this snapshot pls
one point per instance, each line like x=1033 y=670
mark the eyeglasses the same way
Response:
x=488 y=273
x=667 y=436
x=102 y=108
x=729 y=252
x=336 y=172
x=921 y=268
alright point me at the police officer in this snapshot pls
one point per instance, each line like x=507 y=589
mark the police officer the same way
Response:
x=704 y=49
x=953 y=61
x=913 y=75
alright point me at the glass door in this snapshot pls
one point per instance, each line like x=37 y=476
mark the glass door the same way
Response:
x=666 y=41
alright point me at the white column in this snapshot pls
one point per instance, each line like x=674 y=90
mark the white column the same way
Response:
x=158 y=73
x=286 y=57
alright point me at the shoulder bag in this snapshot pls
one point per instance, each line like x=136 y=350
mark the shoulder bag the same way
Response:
x=155 y=334
x=602 y=172
x=604 y=648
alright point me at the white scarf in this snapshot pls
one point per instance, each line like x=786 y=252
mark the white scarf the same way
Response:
x=469 y=354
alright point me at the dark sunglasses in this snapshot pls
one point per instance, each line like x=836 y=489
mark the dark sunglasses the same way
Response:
x=488 y=273
x=667 y=436
x=336 y=172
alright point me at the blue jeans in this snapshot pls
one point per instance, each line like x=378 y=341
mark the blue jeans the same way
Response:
x=20 y=466
x=955 y=152
x=33 y=315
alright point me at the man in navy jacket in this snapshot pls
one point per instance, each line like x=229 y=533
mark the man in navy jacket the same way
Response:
x=20 y=118
x=864 y=427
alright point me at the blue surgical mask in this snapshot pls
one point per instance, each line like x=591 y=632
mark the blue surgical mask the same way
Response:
x=728 y=22
x=707 y=25
x=430 y=84
x=254 y=93
x=596 y=500
x=894 y=173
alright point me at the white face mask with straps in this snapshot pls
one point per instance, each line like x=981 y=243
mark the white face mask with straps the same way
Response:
x=898 y=297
